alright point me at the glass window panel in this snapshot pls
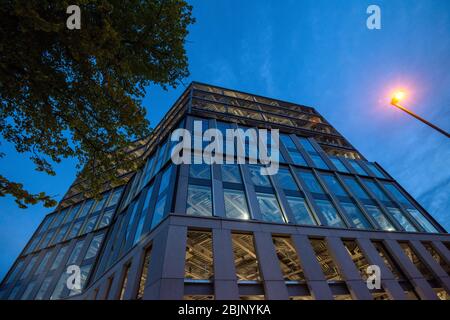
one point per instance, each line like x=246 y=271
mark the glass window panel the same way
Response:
x=145 y=210
x=148 y=171
x=29 y=267
x=134 y=215
x=285 y=180
x=356 y=188
x=318 y=161
x=13 y=295
x=330 y=214
x=397 y=194
x=61 y=233
x=60 y=286
x=199 y=256
x=99 y=203
x=334 y=185
x=60 y=217
x=46 y=240
x=297 y=158
x=29 y=289
x=84 y=273
x=339 y=165
x=424 y=223
x=15 y=272
x=289 y=262
x=231 y=173
x=200 y=171
x=376 y=190
x=375 y=170
x=115 y=197
x=33 y=245
x=90 y=224
x=94 y=247
x=245 y=260
x=257 y=178
x=379 y=217
x=199 y=201
x=47 y=221
x=236 y=204
x=307 y=145
x=287 y=142
x=73 y=213
x=158 y=214
x=86 y=208
x=401 y=219
x=75 y=229
x=59 y=258
x=355 y=165
x=311 y=182
x=75 y=252
x=43 y=263
x=355 y=215
x=269 y=207
x=165 y=180
x=43 y=289
x=300 y=210
x=325 y=260
x=106 y=218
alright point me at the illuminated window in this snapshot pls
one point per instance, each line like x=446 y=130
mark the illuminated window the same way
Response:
x=144 y=274
x=388 y=261
x=358 y=257
x=199 y=256
x=437 y=257
x=123 y=287
x=245 y=259
x=198 y=297
x=325 y=260
x=423 y=269
x=289 y=262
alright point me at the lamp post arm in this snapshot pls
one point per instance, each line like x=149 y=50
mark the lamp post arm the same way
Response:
x=445 y=133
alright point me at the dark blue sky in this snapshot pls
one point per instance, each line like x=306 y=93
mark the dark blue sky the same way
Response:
x=317 y=53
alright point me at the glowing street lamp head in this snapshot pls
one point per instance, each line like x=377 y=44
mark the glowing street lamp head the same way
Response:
x=398 y=96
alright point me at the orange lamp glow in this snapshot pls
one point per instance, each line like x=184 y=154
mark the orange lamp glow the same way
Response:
x=398 y=96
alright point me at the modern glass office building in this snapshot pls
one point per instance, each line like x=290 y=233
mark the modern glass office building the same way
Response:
x=225 y=231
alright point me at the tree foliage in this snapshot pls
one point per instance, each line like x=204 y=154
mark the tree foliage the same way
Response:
x=78 y=93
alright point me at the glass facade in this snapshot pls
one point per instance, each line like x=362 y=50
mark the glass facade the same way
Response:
x=322 y=183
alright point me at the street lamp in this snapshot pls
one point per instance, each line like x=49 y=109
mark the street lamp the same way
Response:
x=400 y=95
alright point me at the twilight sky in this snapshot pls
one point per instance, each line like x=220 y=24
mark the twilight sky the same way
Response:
x=313 y=52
